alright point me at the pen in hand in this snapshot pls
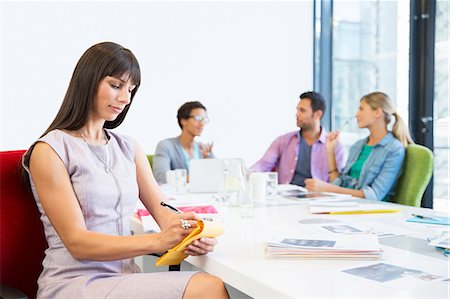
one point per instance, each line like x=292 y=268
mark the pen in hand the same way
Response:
x=346 y=122
x=179 y=211
x=170 y=207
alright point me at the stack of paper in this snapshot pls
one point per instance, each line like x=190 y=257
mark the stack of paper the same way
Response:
x=442 y=243
x=324 y=246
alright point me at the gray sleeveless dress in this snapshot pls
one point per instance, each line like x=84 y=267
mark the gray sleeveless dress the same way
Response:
x=104 y=180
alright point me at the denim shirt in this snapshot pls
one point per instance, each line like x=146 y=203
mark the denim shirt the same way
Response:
x=381 y=170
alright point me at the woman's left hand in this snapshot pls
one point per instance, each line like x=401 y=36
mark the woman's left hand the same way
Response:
x=201 y=246
x=317 y=185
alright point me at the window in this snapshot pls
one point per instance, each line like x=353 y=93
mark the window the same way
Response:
x=369 y=53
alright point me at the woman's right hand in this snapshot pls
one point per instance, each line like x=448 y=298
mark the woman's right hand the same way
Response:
x=332 y=140
x=206 y=149
x=174 y=232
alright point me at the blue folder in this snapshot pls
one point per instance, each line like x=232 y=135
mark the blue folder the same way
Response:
x=441 y=220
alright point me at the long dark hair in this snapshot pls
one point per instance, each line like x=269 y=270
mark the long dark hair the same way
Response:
x=100 y=60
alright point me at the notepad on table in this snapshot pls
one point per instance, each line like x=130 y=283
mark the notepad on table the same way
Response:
x=441 y=220
x=176 y=255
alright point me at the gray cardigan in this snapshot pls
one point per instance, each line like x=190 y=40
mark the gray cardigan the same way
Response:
x=168 y=156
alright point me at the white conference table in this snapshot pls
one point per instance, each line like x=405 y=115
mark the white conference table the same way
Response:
x=240 y=261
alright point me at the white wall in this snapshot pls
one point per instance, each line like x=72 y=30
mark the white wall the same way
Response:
x=247 y=62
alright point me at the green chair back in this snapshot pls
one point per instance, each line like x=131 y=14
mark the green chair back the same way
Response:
x=150 y=160
x=417 y=171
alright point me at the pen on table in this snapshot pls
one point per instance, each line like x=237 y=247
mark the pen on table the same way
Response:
x=423 y=217
x=170 y=207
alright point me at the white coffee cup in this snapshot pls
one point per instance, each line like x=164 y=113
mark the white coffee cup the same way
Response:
x=258 y=183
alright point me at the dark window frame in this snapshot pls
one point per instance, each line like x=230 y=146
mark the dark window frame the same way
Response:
x=421 y=78
x=323 y=56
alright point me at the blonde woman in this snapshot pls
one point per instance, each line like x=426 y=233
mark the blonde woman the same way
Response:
x=375 y=162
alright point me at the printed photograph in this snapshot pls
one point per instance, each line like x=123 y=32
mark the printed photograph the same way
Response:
x=385 y=272
x=342 y=229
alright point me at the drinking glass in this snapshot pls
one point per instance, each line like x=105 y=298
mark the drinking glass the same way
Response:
x=171 y=179
x=232 y=186
x=246 y=203
x=181 y=180
x=271 y=188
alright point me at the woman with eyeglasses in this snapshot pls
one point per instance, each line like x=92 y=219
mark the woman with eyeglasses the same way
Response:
x=177 y=152
x=375 y=162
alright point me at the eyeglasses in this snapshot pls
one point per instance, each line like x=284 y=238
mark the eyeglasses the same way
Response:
x=199 y=118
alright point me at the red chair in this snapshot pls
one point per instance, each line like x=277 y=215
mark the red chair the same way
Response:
x=22 y=239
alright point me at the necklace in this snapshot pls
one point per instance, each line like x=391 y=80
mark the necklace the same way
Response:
x=85 y=140
x=107 y=162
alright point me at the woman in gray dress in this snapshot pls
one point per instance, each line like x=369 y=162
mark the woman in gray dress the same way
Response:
x=86 y=180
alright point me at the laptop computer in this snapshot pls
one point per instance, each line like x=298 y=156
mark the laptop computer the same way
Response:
x=205 y=175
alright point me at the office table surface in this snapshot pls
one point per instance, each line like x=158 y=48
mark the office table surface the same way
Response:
x=240 y=261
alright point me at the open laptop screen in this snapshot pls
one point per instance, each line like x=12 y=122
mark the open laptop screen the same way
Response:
x=205 y=175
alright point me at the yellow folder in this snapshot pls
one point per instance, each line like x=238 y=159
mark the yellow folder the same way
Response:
x=175 y=256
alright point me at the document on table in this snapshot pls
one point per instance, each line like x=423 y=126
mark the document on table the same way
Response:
x=394 y=276
x=307 y=197
x=324 y=246
x=290 y=187
x=383 y=230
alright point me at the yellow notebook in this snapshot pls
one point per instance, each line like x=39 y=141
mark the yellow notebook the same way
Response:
x=175 y=256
